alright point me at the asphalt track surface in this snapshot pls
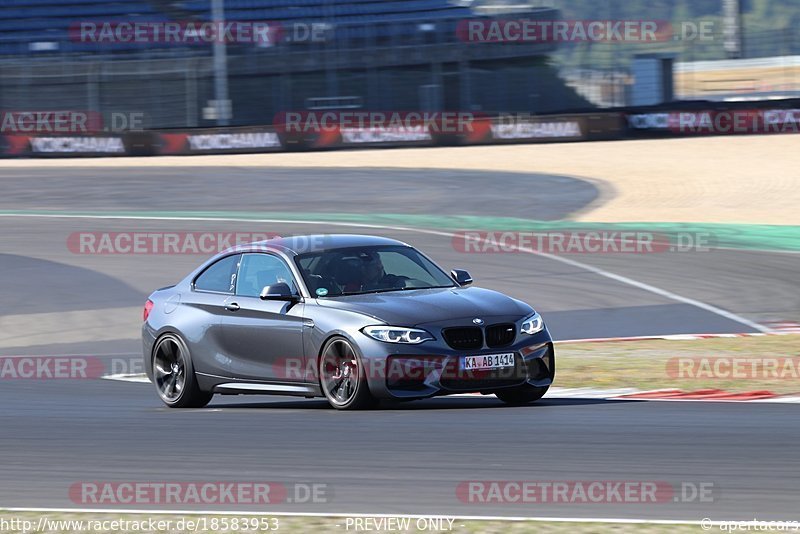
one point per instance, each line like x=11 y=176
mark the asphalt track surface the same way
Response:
x=405 y=458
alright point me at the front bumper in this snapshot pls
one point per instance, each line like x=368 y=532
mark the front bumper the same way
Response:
x=433 y=368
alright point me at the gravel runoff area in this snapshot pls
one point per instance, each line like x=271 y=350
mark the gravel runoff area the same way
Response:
x=734 y=179
x=736 y=365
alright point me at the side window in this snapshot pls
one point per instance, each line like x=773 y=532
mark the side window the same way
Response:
x=220 y=277
x=261 y=270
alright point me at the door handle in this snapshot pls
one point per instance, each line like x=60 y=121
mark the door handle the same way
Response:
x=232 y=306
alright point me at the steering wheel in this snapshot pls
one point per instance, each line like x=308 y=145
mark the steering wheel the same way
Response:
x=394 y=281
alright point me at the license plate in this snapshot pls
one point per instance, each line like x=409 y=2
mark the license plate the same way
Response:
x=488 y=361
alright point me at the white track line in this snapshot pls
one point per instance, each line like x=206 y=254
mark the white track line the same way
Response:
x=619 y=395
x=609 y=520
x=757 y=250
x=676 y=337
x=596 y=270
x=631 y=282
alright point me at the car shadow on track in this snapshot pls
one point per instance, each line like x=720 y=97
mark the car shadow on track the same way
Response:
x=440 y=403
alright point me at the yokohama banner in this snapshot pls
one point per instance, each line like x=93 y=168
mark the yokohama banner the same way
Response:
x=332 y=130
x=526 y=128
x=63 y=145
x=218 y=141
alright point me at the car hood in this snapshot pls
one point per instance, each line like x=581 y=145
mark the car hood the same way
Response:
x=423 y=306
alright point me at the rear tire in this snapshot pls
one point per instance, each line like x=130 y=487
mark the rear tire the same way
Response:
x=521 y=395
x=342 y=377
x=173 y=374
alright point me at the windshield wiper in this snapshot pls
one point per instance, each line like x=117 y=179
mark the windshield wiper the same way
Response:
x=427 y=287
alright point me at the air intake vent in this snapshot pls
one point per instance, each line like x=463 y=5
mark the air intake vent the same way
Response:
x=467 y=338
x=500 y=335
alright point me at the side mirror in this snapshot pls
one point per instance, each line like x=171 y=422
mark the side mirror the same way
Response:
x=461 y=276
x=280 y=291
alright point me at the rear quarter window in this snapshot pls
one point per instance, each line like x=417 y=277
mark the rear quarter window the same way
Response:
x=220 y=277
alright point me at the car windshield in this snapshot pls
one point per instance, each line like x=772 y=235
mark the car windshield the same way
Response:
x=375 y=269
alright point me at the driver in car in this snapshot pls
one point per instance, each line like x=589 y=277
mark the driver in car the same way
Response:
x=375 y=276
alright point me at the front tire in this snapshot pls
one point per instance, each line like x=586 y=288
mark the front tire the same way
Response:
x=521 y=395
x=342 y=376
x=173 y=374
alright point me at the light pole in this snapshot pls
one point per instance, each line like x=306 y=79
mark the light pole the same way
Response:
x=733 y=28
x=221 y=99
x=330 y=53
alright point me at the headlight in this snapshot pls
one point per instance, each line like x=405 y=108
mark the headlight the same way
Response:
x=532 y=324
x=397 y=334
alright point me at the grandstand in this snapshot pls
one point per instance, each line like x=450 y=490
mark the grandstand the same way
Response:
x=375 y=54
x=41 y=26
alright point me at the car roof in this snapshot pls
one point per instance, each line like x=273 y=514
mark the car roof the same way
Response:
x=301 y=244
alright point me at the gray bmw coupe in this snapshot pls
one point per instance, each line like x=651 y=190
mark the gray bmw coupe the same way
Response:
x=351 y=318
